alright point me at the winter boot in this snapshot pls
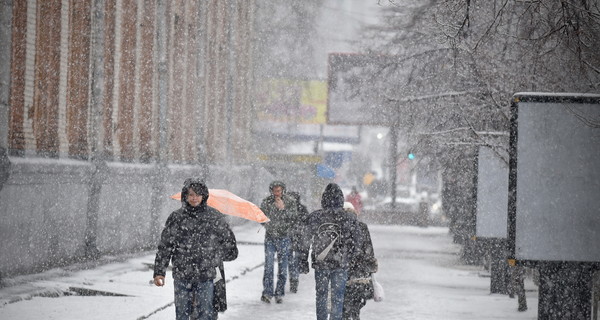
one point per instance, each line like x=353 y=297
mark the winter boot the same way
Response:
x=293 y=285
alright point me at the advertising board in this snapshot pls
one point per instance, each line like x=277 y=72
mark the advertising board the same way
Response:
x=554 y=180
x=492 y=194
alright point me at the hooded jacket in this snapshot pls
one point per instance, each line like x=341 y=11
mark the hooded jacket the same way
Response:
x=281 y=221
x=195 y=239
x=364 y=263
x=298 y=230
x=332 y=212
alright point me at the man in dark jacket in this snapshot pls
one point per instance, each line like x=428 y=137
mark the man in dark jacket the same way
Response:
x=281 y=210
x=332 y=237
x=197 y=239
x=296 y=236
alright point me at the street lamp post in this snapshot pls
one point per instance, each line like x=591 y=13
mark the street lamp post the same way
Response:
x=394 y=158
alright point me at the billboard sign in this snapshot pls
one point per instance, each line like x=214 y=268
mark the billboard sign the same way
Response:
x=554 y=181
x=492 y=195
x=291 y=101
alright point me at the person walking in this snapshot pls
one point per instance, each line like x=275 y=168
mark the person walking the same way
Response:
x=356 y=200
x=296 y=236
x=359 y=287
x=332 y=238
x=280 y=208
x=196 y=239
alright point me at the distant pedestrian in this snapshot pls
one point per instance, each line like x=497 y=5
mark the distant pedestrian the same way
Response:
x=280 y=208
x=196 y=239
x=359 y=287
x=356 y=200
x=296 y=236
x=332 y=239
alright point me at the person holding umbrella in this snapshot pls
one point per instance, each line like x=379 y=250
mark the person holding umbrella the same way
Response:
x=281 y=211
x=196 y=239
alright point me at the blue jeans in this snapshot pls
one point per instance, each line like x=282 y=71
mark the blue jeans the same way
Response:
x=188 y=291
x=337 y=280
x=293 y=264
x=281 y=247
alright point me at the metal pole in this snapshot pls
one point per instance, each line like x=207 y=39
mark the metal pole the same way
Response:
x=393 y=160
x=498 y=266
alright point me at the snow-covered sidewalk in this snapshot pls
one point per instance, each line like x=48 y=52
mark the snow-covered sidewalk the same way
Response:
x=419 y=270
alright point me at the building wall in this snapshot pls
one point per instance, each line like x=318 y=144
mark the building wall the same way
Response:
x=228 y=78
x=105 y=130
x=16 y=134
x=209 y=68
x=5 y=81
x=45 y=201
x=82 y=121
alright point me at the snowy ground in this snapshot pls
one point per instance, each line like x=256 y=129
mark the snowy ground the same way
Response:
x=419 y=270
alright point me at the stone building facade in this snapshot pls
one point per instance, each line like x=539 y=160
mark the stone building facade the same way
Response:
x=87 y=79
x=106 y=106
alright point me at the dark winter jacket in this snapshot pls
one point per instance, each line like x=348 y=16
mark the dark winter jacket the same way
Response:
x=281 y=221
x=364 y=262
x=345 y=227
x=195 y=239
x=298 y=228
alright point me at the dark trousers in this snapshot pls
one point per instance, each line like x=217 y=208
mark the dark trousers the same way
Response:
x=355 y=298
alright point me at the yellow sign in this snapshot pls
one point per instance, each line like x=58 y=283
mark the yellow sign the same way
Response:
x=295 y=101
x=368 y=178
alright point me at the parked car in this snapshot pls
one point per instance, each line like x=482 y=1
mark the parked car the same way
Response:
x=422 y=210
x=410 y=204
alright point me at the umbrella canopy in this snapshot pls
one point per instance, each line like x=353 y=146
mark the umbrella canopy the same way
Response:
x=325 y=171
x=231 y=204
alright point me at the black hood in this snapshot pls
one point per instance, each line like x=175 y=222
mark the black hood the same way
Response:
x=276 y=184
x=333 y=197
x=294 y=195
x=199 y=188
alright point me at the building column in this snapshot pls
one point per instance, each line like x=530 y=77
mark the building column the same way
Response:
x=5 y=55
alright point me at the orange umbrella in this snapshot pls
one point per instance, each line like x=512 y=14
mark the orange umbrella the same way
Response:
x=230 y=204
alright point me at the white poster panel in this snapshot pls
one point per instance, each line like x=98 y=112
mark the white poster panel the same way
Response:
x=492 y=195
x=558 y=181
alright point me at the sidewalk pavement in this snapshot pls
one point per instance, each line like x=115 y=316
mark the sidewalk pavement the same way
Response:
x=112 y=288
x=418 y=267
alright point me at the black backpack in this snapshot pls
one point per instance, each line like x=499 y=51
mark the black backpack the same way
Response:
x=327 y=243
